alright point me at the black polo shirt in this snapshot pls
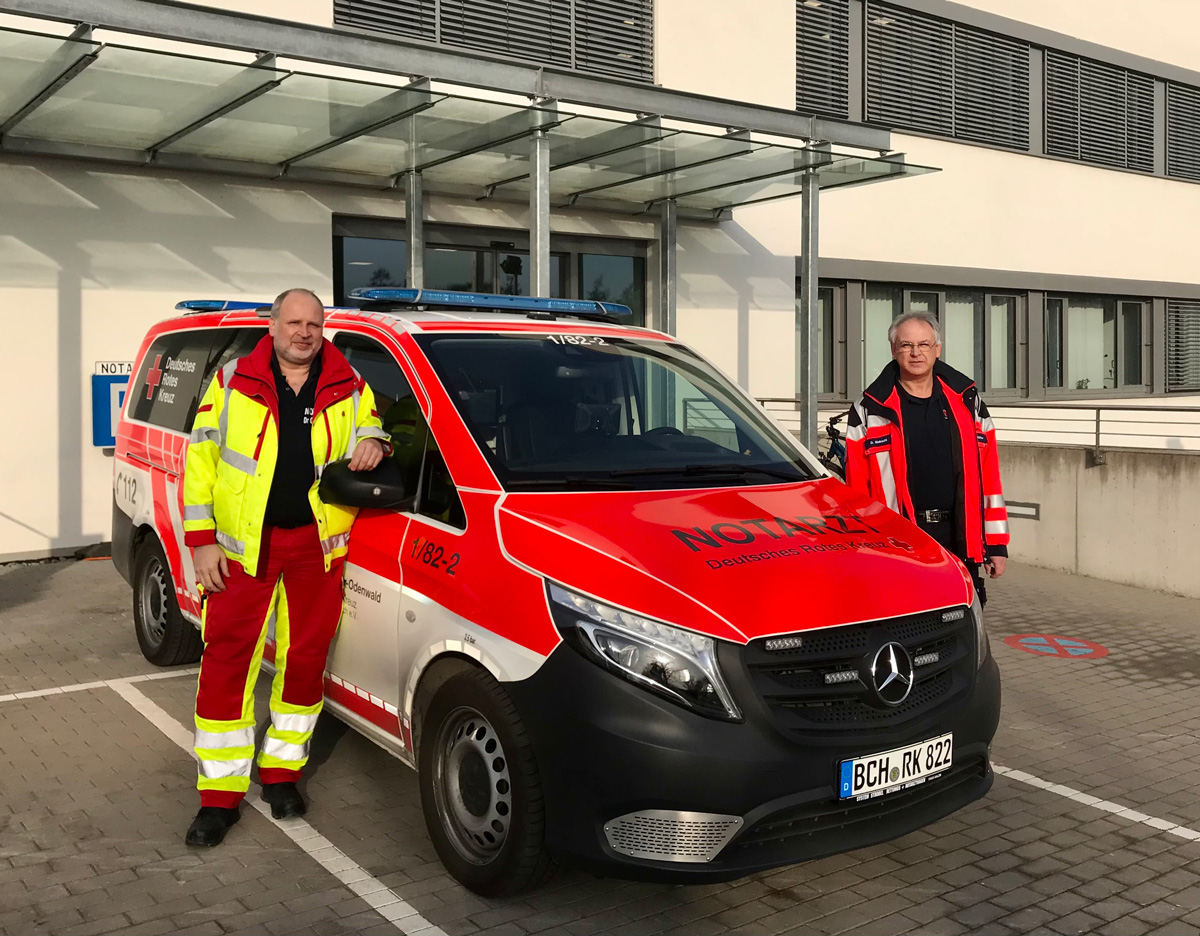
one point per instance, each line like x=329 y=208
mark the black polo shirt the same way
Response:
x=928 y=449
x=287 y=504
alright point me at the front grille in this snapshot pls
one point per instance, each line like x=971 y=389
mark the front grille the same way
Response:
x=840 y=816
x=793 y=684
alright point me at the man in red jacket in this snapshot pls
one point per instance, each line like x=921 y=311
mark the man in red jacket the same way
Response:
x=920 y=440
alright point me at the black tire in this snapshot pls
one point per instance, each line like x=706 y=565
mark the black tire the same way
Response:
x=480 y=788
x=165 y=636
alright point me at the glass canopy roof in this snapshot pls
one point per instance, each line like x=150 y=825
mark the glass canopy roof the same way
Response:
x=76 y=97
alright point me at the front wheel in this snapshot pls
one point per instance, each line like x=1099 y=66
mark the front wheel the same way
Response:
x=480 y=788
x=165 y=636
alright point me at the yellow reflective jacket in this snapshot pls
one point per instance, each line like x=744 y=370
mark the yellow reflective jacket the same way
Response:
x=235 y=442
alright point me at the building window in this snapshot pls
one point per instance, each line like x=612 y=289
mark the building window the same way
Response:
x=979 y=330
x=607 y=278
x=881 y=305
x=825 y=339
x=1183 y=344
x=1094 y=342
x=475 y=260
x=925 y=73
x=1098 y=113
x=823 y=57
x=605 y=37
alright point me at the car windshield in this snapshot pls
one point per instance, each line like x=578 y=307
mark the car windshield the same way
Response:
x=575 y=411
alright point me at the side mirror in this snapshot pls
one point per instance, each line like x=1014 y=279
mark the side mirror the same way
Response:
x=381 y=487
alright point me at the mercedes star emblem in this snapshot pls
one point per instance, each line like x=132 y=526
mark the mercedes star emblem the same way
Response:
x=892 y=673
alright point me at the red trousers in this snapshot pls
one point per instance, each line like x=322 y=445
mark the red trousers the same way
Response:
x=293 y=596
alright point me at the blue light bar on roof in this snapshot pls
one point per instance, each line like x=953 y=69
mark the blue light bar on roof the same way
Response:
x=218 y=305
x=460 y=300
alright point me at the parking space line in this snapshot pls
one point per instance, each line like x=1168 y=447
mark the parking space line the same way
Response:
x=98 y=684
x=386 y=902
x=1086 y=799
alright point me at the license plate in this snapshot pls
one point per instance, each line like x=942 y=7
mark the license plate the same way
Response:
x=899 y=769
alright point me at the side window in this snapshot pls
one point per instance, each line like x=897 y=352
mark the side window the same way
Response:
x=413 y=446
x=229 y=344
x=166 y=390
x=439 y=498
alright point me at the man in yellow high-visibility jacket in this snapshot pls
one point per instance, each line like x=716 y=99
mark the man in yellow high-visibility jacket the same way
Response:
x=267 y=549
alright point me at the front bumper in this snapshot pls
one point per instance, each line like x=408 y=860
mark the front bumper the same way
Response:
x=607 y=749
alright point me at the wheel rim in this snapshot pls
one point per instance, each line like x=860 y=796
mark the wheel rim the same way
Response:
x=471 y=786
x=153 y=599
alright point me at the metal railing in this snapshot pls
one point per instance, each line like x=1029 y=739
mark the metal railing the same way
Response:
x=1099 y=427
x=1078 y=425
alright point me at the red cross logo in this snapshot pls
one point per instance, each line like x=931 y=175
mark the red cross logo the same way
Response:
x=153 y=376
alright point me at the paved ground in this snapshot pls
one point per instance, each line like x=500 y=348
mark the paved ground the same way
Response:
x=1095 y=826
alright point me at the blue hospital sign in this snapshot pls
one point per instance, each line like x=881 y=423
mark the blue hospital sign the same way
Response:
x=108 y=396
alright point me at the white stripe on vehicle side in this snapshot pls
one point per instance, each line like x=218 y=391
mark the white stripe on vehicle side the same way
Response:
x=500 y=539
x=448 y=632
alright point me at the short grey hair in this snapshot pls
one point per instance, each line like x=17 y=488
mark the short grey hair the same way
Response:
x=278 y=303
x=927 y=317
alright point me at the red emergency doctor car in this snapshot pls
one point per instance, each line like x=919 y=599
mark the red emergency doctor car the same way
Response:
x=609 y=610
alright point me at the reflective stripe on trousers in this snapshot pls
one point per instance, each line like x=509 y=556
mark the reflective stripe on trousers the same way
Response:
x=304 y=600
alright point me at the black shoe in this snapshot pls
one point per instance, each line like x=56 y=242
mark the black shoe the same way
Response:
x=286 y=801
x=210 y=825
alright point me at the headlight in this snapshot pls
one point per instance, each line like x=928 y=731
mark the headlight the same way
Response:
x=677 y=664
x=982 y=648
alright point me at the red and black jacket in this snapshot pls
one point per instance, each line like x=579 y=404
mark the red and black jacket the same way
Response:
x=877 y=465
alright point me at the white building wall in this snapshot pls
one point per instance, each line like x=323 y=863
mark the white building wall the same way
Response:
x=737 y=291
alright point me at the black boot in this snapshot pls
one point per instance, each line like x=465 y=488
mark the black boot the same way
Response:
x=286 y=801
x=210 y=825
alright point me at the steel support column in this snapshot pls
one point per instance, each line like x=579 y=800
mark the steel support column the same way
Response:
x=414 y=228
x=539 y=214
x=806 y=325
x=668 y=273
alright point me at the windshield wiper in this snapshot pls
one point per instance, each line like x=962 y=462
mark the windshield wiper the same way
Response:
x=565 y=481
x=733 y=468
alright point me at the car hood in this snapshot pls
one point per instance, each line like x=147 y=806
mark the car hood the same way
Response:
x=735 y=563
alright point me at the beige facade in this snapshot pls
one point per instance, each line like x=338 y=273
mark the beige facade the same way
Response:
x=91 y=254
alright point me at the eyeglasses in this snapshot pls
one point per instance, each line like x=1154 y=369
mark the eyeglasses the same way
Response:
x=923 y=347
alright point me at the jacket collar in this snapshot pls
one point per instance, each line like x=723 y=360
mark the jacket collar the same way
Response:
x=883 y=388
x=257 y=364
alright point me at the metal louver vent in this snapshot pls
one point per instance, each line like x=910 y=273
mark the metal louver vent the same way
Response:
x=928 y=74
x=608 y=37
x=416 y=18
x=531 y=29
x=991 y=88
x=615 y=37
x=1183 y=344
x=1099 y=113
x=1183 y=132
x=823 y=57
x=910 y=80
